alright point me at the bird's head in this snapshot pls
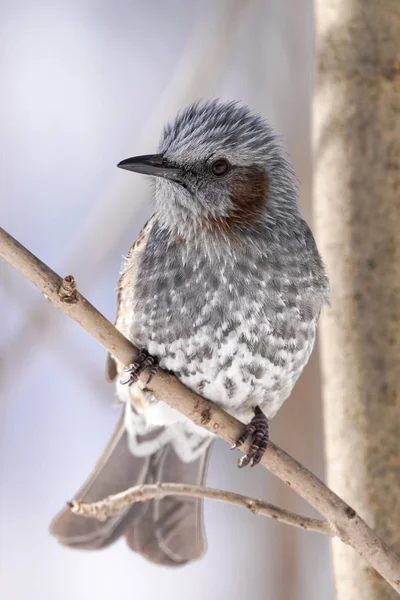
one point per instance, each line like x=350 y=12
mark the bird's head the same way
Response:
x=219 y=168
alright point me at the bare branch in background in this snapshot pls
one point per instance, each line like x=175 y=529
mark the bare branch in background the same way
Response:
x=344 y=521
x=112 y=505
x=356 y=198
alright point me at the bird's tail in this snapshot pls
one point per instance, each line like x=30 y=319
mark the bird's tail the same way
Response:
x=168 y=531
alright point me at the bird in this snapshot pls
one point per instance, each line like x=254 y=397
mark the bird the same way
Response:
x=224 y=288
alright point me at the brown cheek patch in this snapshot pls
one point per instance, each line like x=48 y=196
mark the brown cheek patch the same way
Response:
x=249 y=190
x=249 y=195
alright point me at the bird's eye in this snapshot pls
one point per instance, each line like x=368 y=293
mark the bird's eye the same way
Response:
x=220 y=167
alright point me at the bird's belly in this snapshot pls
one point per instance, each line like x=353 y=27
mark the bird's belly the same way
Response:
x=232 y=353
x=235 y=374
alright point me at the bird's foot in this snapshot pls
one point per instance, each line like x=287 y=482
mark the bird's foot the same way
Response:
x=258 y=429
x=143 y=361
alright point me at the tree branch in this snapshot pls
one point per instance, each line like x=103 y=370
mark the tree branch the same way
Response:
x=345 y=522
x=112 y=505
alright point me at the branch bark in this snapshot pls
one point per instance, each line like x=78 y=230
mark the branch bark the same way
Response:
x=346 y=524
x=112 y=505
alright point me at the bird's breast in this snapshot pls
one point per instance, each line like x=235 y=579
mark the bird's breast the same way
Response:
x=239 y=331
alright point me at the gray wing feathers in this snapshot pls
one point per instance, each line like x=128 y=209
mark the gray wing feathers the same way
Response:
x=168 y=531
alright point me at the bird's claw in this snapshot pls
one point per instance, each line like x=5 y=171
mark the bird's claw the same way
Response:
x=143 y=361
x=258 y=429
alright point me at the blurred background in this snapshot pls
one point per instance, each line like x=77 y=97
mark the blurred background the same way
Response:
x=86 y=83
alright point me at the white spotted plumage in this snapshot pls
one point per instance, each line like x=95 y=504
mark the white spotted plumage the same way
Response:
x=225 y=295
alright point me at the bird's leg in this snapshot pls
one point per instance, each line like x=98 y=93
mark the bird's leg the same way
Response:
x=143 y=361
x=258 y=429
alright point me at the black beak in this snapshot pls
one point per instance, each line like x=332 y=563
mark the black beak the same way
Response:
x=152 y=164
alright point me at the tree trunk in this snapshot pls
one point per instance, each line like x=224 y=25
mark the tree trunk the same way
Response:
x=357 y=207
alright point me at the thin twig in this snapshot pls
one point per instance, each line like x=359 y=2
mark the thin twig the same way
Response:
x=112 y=505
x=345 y=522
